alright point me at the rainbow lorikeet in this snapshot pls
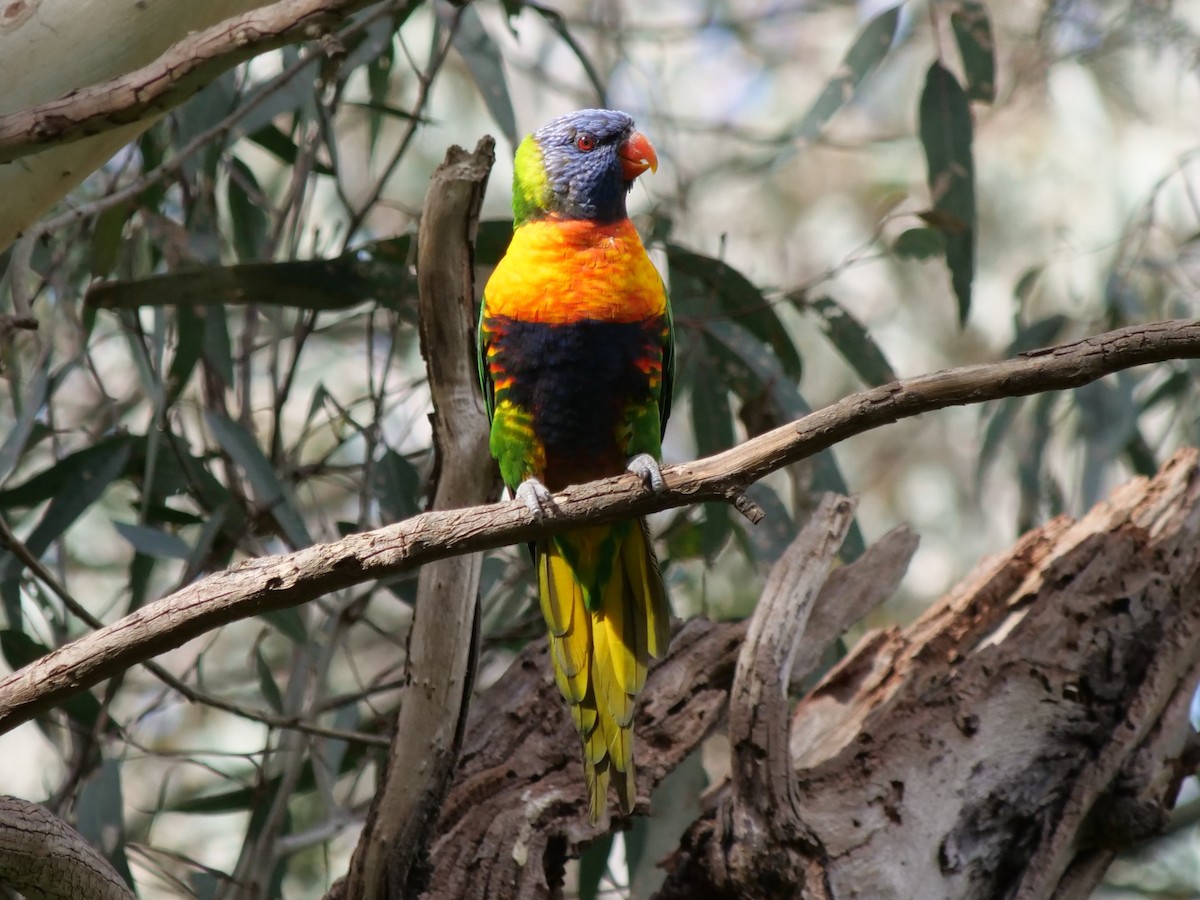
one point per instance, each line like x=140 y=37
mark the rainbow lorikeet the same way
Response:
x=575 y=357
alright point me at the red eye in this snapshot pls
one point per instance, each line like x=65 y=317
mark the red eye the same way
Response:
x=585 y=142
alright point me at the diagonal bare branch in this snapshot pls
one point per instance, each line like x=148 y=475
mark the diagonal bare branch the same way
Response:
x=260 y=585
x=177 y=74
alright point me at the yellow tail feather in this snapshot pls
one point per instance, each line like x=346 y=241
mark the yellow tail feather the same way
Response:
x=606 y=613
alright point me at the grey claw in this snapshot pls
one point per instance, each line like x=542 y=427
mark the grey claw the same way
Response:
x=536 y=497
x=646 y=468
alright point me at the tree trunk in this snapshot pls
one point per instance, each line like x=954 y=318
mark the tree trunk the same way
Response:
x=1007 y=744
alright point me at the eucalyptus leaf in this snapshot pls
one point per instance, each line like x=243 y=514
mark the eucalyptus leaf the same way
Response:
x=99 y=816
x=852 y=340
x=153 y=541
x=864 y=55
x=486 y=66
x=275 y=496
x=946 y=135
x=977 y=47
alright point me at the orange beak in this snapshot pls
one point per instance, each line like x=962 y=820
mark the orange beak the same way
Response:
x=637 y=155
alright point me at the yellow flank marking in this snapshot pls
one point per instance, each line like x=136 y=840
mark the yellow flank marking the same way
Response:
x=562 y=271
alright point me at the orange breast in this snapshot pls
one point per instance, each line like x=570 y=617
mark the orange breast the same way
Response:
x=558 y=272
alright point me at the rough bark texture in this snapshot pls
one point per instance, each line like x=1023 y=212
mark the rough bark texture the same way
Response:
x=276 y=582
x=441 y=645
x=1009 y=742
x=517 y=810
x=45 y=859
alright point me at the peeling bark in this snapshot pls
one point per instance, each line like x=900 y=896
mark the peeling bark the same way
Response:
x=517 y=810
x=1010 y=741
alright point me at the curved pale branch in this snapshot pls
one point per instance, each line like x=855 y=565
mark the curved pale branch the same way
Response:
x=269 y=583
x=178 y=73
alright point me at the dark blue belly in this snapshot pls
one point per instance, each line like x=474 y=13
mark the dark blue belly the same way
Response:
x=578 y=380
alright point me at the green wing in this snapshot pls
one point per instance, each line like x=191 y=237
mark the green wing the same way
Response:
x=481 y=351
x=668 y=369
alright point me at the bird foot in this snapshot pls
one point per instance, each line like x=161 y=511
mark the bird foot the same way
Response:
x=646 y=468
x=536 y=497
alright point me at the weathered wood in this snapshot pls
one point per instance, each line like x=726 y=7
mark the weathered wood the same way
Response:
x=441 y=645
x=1017 y=735
x=517 y=809
x=46 y=859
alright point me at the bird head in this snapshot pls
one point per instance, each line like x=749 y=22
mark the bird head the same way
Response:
x=580 y=166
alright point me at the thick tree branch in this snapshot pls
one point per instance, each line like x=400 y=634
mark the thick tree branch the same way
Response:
x=1026 y=728
x=46 y=859
x=441 y=644
x=258 y=585
x=180 y=72
x=764 y=811
x=517 y=810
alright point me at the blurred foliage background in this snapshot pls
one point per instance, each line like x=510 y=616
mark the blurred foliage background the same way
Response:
x=227 y=366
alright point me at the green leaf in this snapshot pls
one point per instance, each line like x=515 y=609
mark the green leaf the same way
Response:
x=492 y=240
x=20 y=649
x=998 y=426
x=378 y=271
x=751 y=373
x=50 y=481
x=593 y=863
x=397 y=487
x=218 y=351
x=1172 y=388
x=1028 y=337
x=266 y=681
x=757 y=379
x=920 y=243
x=271 y=492
x=247 y=212
x=108 y=238
x=769 y=538
x=697 y=281
x=80 y=480
x=189 y=345
x=852 y=341
x=1037 y=334
x=289 y=622
x=973 y=34
x=100 y=816
x=483 y=60
x=1107 y=425
x=153 y=542
x=712 y=421
x=27 y=405
x=676 y=805
x=945 y=129
x=379 y=83
x=283 y=148
x=867 y=52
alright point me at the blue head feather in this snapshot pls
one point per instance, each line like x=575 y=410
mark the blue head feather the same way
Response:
x=553 y=176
